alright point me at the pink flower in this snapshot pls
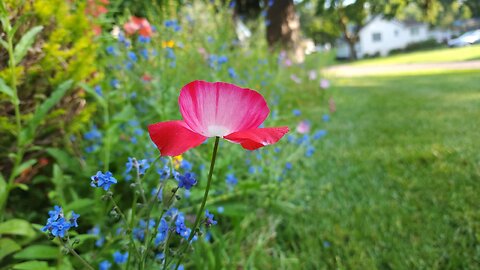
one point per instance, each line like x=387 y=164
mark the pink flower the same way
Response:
x=324 y=83
x=140 y=25
x=303 y=127
x=216 y=109
x=295 y=78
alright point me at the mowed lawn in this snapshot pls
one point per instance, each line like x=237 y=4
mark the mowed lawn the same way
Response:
x=398 y=185
x=430 y=56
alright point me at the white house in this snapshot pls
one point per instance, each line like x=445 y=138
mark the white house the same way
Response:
x=380 y=36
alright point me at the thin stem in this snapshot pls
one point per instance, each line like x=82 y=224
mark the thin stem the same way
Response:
x=74 y=253
x=106 y=118
x=142 y=192
x=149 y=242
x=202 y=206
x=16 y=104
x=124 y=218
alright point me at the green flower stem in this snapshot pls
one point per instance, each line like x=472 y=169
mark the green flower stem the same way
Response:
x=135 y=198
x=202 y=206
x=16 y=104
x=124 y=219
x=149 y=242
x=74 y=253
x=165 y=252
x=106 y=119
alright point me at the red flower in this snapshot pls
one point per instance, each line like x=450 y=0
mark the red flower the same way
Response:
x=216 y=109
x=140 y=25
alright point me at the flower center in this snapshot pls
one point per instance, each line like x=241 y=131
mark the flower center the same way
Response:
x=215 y=130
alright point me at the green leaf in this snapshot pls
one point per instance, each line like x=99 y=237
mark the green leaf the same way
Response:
x=64 y=159
x=92 y=92
x=8 y=246
x=79 y=205
x=27 y=133
x=3 y=191
x=4 y=44
x=32 y=265
x=25 y=165
x=21 y=186
x=17 y=227
x=37 y=252
x=83 y=237
x=25 y=43
x=4 y=88
x=125 y=114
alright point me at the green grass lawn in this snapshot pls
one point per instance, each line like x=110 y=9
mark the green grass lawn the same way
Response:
x=398 y=185
x=432 y=56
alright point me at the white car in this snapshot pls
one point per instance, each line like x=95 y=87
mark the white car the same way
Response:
x=469 y=38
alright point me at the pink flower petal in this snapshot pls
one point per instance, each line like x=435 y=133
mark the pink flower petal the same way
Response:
x=255 y=138
x=219 y=109
x=174 y=137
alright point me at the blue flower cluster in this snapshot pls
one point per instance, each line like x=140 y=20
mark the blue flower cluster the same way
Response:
x=120 y=258
x=57 y=225
x=173 y=24
x=94 y=136
x=162 y=232
x=186 y=180
x=180 y=227
x=215 y=61
x=102 y=180
x=209 y=221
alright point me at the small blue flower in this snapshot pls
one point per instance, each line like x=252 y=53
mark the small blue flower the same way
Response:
x=129 y=165
x=143 y=39
x=164 y=173
x=104 y=265
x=102 y=180
x=96 y=231
x=310 y=151
x=143 y=166
x=98 y=90
x=144 y=53
x=187 y=180
x=114 y=83
x=231 y=180
x=110 y=50
x=222 y=59
x=180 y=227
x=231 y=73
x=319 y=134
x=220 y=209
x=56 y=213
x=73 y=219
x=160 y=256
x=59 y=227
x=187 y=166
x=209 y=221
x=120 y=258
x=170 y=53
x=326 y=118
x=139 y=232
x=288 y=166
x=162 y=232
x=93 y=135
x=132 y=56
x=296 y=112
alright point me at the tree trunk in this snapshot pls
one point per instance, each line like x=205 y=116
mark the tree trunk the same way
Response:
x=351 y=46
x=283 y=28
